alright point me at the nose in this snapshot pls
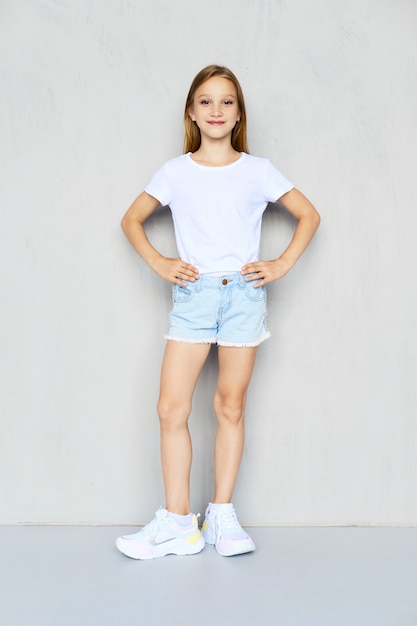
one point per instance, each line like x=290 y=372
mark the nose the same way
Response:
x=216 y=111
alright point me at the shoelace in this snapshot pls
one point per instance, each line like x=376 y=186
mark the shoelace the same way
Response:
x=153 y=526
x=159 y=520
x=224 y=521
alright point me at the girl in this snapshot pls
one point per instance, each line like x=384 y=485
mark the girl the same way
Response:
x=217 y=194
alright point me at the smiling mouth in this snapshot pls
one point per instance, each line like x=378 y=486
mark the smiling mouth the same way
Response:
x=217 y=123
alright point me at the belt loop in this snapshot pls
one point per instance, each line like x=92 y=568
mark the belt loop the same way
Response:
x=197 y=285
x=241 y=281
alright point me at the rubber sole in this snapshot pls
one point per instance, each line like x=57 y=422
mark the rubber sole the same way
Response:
x=179 y=548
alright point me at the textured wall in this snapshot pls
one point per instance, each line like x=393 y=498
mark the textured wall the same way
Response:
x=91 y=97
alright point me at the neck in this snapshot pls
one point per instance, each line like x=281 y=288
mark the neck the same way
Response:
x=215 y=153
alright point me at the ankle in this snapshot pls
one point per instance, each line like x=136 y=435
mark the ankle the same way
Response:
x=181 y=520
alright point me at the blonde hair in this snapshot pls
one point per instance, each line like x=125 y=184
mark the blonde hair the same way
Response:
x=192 y=132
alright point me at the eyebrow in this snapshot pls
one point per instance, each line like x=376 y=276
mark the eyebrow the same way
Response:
x=201 y=95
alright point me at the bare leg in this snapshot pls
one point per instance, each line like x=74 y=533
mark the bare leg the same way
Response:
x=181 y=367
x=235 y=371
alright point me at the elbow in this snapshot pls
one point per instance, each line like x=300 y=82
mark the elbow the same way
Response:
x=315 y=219
x=124 y=224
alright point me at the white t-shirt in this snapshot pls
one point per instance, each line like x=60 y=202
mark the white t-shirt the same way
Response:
x=217 y=211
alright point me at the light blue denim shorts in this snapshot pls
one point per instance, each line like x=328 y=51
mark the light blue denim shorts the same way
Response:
x=225 y=310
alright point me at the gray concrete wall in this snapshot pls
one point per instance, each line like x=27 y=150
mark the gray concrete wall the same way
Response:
x=91 y=97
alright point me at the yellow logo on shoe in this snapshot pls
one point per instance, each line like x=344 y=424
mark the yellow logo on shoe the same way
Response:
x=194 y=538
x=204 y=527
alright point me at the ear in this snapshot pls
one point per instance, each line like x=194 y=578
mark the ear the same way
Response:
x=191 y=114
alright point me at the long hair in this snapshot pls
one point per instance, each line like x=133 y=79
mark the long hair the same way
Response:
x=192 y=140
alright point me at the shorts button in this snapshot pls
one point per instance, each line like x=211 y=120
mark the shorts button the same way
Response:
x=224 y=281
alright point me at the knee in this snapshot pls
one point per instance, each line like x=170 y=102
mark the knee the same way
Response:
x=172 y=414
x=229 y=409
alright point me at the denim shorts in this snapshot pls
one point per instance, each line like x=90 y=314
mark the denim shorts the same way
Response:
x=225 y=310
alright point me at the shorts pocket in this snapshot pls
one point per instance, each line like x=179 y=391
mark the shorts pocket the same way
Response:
x=181 y=293
x=255 y=294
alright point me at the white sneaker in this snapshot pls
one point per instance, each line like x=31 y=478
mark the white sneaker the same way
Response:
x=162 y=536
x=222 y=530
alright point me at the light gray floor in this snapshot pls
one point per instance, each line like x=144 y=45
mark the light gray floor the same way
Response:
x=73 y=576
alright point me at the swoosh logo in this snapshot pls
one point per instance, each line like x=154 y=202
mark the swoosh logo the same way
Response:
x=154 y=542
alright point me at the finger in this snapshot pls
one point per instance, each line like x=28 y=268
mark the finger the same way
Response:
x=252 y=268
x=183 y=274
x=193 y=271
x=179 y=281
x=186 y=275
x=180 y=269
x=265 y=281
x=252 y=276
x=261 y=281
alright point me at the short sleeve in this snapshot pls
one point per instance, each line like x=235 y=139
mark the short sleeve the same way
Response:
x=159 y=186
x=275 y=183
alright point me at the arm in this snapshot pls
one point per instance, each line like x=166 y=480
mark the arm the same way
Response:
x=173 y=270
x=308 y=222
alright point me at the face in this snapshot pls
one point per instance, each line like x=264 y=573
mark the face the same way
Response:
x=215 y=107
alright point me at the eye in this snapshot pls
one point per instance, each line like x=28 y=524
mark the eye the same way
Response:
x=229 y=102
x=204 y=101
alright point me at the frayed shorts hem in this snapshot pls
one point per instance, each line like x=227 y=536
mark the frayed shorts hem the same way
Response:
x=187 y=340
x=245 y=344
x=220 y=342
